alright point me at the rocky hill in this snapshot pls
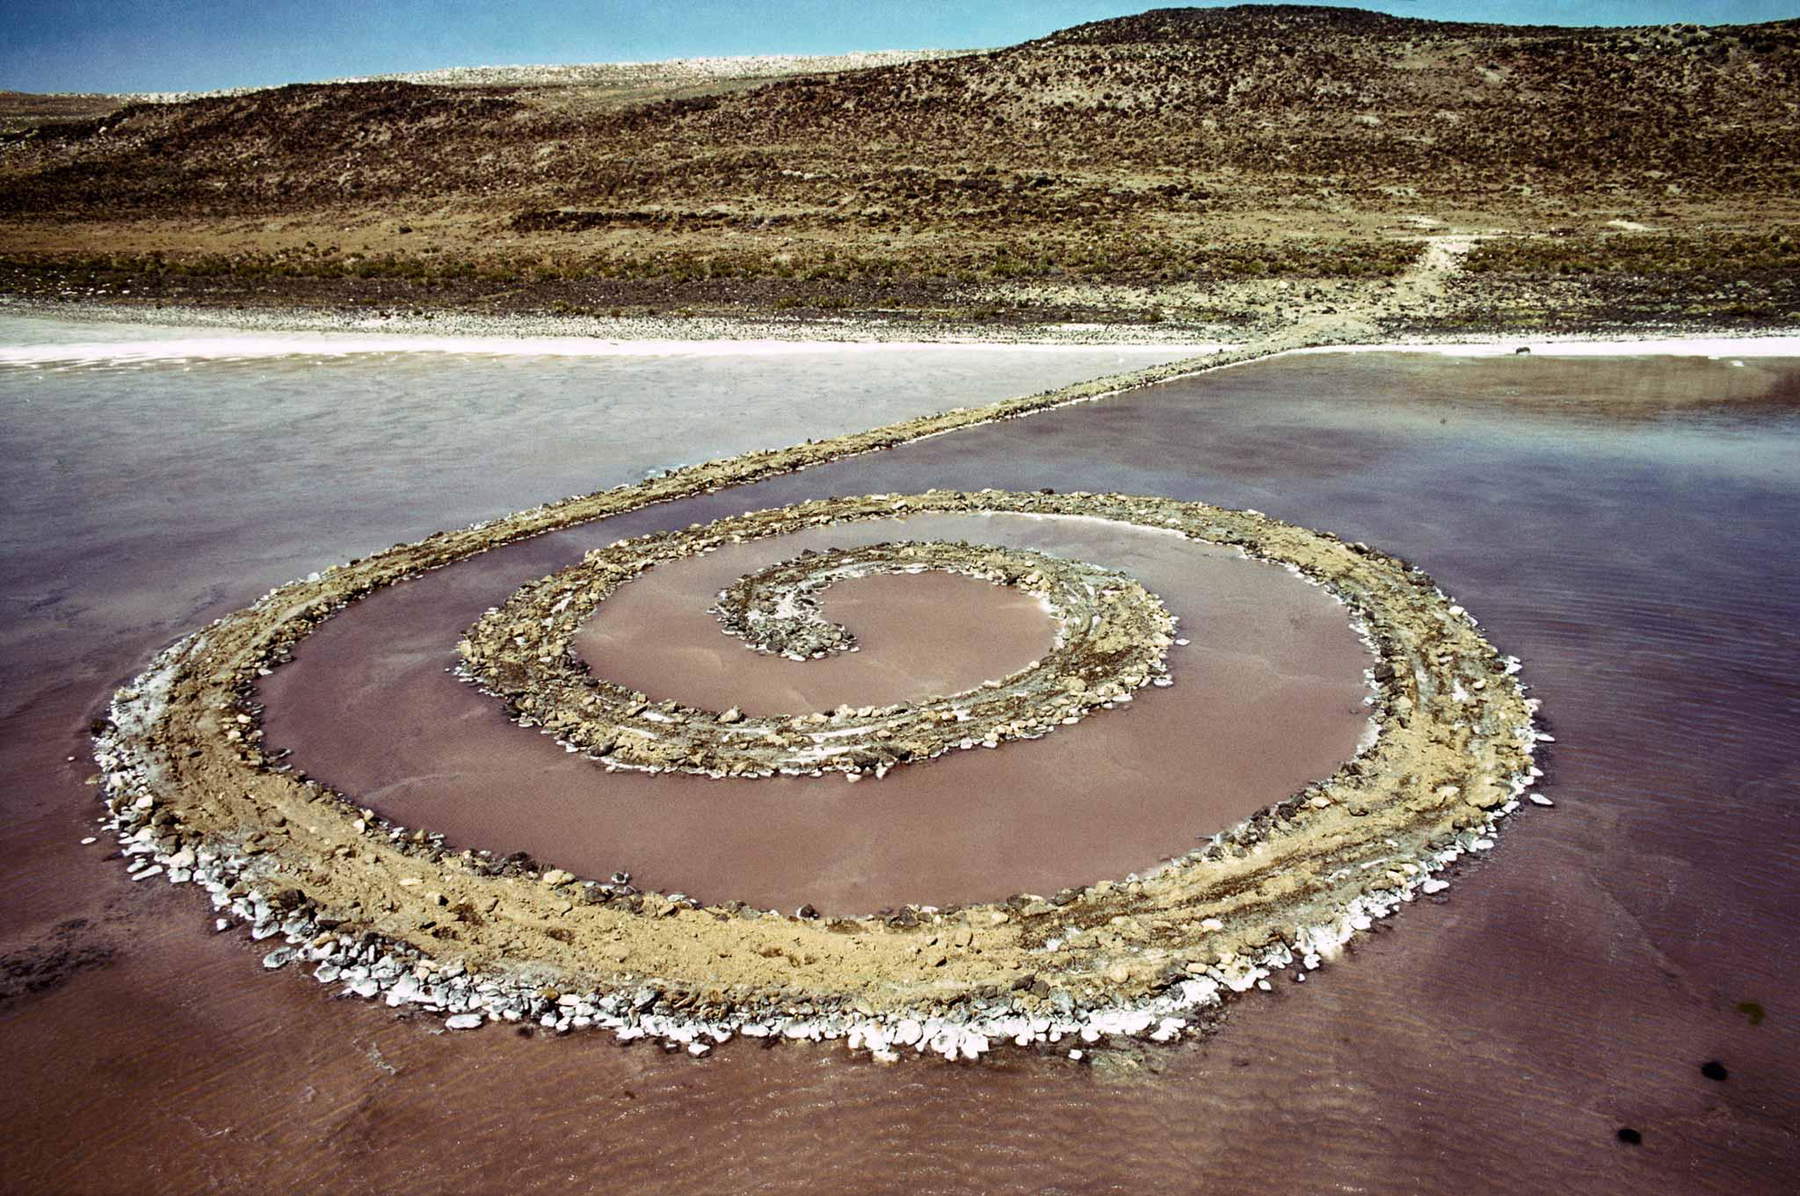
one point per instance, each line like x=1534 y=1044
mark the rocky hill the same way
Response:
x=588 y=84
x=1153 y=147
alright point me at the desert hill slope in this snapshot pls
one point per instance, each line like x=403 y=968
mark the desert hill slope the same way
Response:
x=592 y=85
x=1322 y=92
x=1147 y=148
x=1317 y=93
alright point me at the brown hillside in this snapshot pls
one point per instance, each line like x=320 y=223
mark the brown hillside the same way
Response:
x=1154 y=147
x=1319 y=93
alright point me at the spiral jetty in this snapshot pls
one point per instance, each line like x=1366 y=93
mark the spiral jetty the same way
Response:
x=392 y=913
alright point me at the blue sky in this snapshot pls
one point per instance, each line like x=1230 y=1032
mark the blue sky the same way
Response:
x=165 y=45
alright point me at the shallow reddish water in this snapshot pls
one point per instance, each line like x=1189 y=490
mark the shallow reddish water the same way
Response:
x=1494 y=1038
x=917 y=636
x=1267 y=697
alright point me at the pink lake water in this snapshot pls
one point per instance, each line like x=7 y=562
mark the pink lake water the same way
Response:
x=1268 y=696
x=1624 y=525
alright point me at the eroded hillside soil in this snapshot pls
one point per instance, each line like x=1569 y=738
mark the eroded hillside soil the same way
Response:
x=1193 y=166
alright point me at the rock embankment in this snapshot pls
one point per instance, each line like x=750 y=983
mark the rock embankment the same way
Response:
x=390 y=911
x=192 y=791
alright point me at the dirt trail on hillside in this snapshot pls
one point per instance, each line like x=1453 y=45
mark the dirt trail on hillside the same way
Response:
x=1413 y=294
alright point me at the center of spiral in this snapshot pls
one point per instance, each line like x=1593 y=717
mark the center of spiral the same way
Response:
x=776 y=609
x=1112 y=637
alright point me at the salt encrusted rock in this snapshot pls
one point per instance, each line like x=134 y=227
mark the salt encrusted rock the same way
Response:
x=464 y=1021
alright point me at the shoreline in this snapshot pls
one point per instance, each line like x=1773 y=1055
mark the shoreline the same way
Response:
x=463 y=324
x=256 y=332
x=258 y=345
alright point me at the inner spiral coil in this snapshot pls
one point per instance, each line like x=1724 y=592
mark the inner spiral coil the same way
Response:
x=1112 y=637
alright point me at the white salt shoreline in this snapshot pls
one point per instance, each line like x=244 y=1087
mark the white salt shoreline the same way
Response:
x=247 y=335
x=256 y=346
x=248 y=346
x=1775 y=345
x=174 y=333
